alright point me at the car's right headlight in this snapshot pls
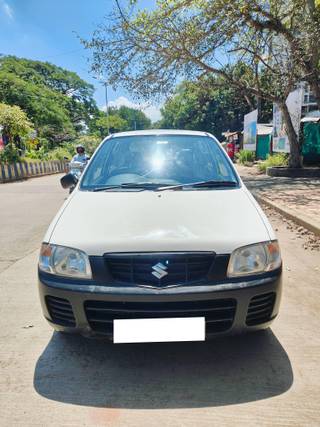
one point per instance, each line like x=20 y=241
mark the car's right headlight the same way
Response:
x=64 y=261
x=254 y=259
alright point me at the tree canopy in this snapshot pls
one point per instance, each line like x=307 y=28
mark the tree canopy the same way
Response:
x=119 y=119
x=135 y=118
x=14 y=122
x=58 y=101
x=149 y=50
x=208 y=106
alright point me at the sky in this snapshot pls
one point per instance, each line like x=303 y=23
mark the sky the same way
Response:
x=46 y=30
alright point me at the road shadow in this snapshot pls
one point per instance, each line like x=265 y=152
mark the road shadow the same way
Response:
x=224 y=371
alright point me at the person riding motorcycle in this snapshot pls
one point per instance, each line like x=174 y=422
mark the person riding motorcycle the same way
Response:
x=81 y=155
x=78 y=163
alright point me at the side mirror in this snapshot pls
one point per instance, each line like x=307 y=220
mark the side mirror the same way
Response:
x=68 y=180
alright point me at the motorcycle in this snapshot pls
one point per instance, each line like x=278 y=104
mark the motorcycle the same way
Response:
x=75 y=169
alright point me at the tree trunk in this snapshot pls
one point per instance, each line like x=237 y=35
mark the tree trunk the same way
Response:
x=295 y=160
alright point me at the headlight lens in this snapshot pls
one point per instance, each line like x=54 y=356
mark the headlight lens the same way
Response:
x=254 y=259
x=64 y=261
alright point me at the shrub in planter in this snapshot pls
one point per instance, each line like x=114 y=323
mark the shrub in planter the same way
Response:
x=277 y=159
x=246 y=157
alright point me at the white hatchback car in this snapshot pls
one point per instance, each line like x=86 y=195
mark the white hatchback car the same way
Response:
x=160 y=226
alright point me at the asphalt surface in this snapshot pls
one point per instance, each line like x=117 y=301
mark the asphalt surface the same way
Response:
x=265 y=379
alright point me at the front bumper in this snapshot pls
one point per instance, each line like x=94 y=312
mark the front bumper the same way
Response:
x=229 y=308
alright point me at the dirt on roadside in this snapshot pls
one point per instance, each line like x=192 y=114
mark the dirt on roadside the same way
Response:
x=308 y=240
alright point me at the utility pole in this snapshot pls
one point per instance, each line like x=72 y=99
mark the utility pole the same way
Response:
x=104 y=82
x=107 y=107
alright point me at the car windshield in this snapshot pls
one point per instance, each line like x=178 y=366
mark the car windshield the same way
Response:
x=154 y=161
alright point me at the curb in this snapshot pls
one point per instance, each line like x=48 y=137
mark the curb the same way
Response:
x=281 y=171
x=18 y=171
x=309 y=225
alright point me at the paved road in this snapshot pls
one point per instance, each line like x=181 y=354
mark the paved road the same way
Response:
x=26 y=208
x=269 y=379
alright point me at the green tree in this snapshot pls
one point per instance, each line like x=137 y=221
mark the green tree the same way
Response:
x=102 y=124
x=15 y=124
x=149 y=51
x=59 y=103
x=135 y=118
x=119 y=119
x=208 y=106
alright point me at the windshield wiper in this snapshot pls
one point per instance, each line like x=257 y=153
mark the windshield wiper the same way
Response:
x=205 y=184
x=105 y=188
x=161 y=187
x=137 y=185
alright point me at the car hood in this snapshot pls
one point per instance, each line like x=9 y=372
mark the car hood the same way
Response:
x=218 y=220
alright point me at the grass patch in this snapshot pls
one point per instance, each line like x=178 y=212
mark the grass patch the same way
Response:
x=246 y=157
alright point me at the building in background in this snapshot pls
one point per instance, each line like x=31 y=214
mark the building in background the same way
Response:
x=265 y=139
x=309 y=104
x=310 y=127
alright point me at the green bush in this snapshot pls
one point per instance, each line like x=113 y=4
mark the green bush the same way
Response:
x=40 y=154
x=9 y=154
x=278 y=159
x=59 y=153
x=245 y=157
x=41 y=151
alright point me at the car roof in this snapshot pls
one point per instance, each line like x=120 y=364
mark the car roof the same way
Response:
x=160 y=132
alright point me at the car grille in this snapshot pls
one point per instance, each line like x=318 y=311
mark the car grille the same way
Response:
x=219 y=314
x=60 y=311
x=260 y=309
x=146 y=269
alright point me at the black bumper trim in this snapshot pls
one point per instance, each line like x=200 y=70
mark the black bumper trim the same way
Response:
x=241 y=292
x=118 y=289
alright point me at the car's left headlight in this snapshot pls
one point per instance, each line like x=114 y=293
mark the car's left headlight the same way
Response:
x=64 y=261
x=254 y=259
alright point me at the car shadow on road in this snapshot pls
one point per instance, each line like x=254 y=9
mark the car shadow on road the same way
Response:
x=224 y=371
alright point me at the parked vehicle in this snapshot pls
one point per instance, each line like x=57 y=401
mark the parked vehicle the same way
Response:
x=160 y=231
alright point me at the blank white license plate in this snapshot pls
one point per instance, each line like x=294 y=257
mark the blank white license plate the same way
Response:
x=159 y=330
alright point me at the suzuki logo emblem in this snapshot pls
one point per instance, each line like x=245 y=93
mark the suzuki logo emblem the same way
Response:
x=159 y=270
